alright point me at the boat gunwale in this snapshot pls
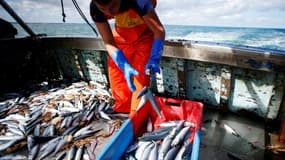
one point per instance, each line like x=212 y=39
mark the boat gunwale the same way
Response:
x=226 y=54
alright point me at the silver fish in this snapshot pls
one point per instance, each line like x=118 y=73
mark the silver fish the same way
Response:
x=71 y=153
x=170 y=155
x=71 y=130
x=154 y=136
x=87 y=134
x=79 y=153
x=61 y=156
x=141 y=147
x=147 y=151
x=63 y=123
x=104 y=115
x=154 y=152
x=185 y=151
x=62 y=141
x=37 y=130
x=133 y=147
x=8 y=138
x=13 y=156
x=231 y=130
x=16 y=131
x=46 y=131
x=11 y=143
x=175 y=123
x=177 y=129
x=180 y=136
x=82 y=130
x=51 y=142
x=165 y=146
x=49 y=149
x=33 y=153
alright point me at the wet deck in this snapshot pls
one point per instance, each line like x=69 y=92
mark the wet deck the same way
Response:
x=228 y=137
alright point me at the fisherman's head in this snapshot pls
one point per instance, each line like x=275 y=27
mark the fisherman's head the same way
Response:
x=110 y=7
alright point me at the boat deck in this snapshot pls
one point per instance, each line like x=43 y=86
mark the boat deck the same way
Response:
x=233 y=137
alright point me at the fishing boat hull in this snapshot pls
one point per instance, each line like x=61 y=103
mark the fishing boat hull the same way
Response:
x=235 y=78
x=246 y=81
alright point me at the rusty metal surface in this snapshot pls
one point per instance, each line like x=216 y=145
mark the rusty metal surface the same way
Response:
x=282 y=117
x=225 y=91
x=254 y=91
x=223 y=87
x=167 y=81
x=203 y=82
x=215 y=75
x=233 y=55
x=182 y=81
x=83 y=64
x=93 y=64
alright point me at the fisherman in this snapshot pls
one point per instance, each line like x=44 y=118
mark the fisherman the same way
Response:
x=134 y=46
x=7 y=30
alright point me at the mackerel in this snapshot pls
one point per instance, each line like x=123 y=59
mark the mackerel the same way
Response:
x=154 y=152
x=170 y=155
x=139 y=152
x=147 y=151
x=11 y=143
x=180 y=136
x=49 y=149
x=62 y=141
x=154 y=136
x=33 y=153
x=79 y=153
x=165 y=146
x=61 y=156
x=71 y=153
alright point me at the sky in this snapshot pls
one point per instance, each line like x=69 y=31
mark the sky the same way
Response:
x=234 y=13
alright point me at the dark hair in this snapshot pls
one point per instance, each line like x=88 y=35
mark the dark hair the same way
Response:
x=102 y=1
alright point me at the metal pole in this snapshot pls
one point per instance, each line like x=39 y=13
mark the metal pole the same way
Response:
x=17 y=18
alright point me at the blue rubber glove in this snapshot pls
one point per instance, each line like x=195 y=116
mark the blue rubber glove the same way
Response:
x=121 y=61
x=152 y=66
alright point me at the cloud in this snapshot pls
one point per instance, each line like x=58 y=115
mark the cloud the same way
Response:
x=221 y=12
x=48 y=10
x=190 y=11
x=267 y=5
x=184 y=12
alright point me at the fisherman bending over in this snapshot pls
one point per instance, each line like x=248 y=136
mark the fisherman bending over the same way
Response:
x=134 y=46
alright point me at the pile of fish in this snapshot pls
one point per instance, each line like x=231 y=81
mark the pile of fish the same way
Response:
x=69 y=121
x=171 y=141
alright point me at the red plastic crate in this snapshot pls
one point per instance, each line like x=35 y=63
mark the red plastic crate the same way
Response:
x=171 y=109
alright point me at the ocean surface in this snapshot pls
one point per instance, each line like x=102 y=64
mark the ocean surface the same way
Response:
x=269 y=38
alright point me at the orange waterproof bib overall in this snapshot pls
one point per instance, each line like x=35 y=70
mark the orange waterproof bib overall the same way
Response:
x=135 y=40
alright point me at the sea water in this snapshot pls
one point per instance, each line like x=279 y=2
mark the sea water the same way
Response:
x=269 y=38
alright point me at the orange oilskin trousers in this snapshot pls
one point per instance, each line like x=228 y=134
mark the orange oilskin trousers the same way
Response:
x=137 y=54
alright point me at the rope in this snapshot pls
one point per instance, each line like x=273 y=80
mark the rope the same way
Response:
x=83 y=16
x=62 y=10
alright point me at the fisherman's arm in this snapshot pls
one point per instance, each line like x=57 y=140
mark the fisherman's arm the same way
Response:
x=116 y=54
x=107 y=36
x=153 y=22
